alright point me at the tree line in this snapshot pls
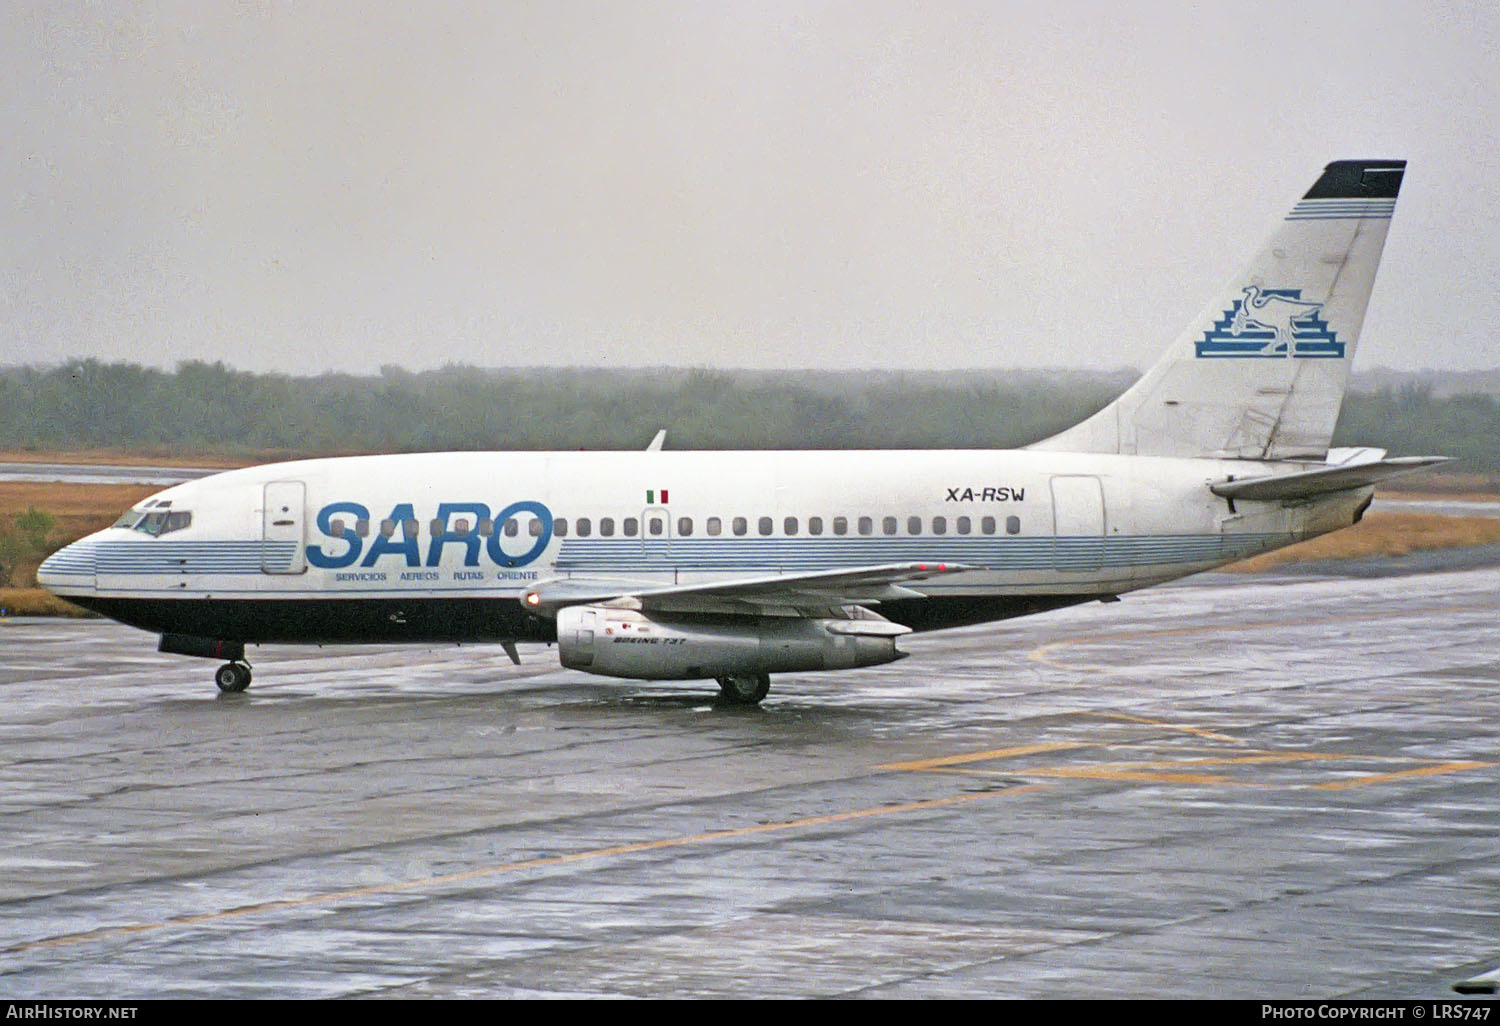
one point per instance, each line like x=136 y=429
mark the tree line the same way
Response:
x=212 y=408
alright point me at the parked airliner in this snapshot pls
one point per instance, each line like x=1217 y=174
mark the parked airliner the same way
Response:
x=736 y=565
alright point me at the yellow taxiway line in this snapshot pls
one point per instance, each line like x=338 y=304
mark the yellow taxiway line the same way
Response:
x=994 y=753
x=1176 y=771
x=1199 y=731
x=1420 y=771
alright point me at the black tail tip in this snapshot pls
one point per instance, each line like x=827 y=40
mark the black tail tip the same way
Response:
x=1359 y=179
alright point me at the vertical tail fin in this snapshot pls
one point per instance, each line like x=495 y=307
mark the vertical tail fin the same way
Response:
x=1260 y=374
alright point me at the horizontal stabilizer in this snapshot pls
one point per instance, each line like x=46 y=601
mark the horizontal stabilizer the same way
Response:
x=1307 y=483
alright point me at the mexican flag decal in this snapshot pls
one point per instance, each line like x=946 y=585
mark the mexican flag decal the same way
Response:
x=651 y=497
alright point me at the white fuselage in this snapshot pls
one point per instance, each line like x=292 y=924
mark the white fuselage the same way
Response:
x=487 y=526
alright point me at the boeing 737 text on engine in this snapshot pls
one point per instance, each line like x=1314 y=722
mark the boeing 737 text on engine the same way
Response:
x=736 y=565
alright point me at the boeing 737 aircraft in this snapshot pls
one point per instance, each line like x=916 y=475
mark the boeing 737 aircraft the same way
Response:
x=736 y=565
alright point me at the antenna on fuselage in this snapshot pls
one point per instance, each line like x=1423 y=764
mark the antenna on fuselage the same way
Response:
x=657 y=442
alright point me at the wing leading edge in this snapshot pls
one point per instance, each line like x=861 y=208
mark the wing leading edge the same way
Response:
x=852 y=586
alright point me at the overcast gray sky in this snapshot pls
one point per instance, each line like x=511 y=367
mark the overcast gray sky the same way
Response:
x=302 y=186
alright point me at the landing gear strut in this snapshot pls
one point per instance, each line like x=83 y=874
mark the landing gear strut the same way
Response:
x=744 y=688
x=233 y=678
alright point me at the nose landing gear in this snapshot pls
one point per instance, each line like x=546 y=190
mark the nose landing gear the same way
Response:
x=233 y=677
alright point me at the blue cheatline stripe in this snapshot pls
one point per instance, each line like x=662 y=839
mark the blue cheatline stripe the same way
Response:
x=173 y=557
x=68 y=562
x=725 y=555
x=990 y=553
x=1341 y=209
x=1387 y=203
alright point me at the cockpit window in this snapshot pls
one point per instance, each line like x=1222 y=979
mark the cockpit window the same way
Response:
x=155 y=522
x=164 y=522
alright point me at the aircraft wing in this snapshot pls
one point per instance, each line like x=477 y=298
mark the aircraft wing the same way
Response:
x=851 y=586
x=1306 y=483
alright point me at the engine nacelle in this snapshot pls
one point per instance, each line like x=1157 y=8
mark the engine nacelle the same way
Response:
x=682 y=646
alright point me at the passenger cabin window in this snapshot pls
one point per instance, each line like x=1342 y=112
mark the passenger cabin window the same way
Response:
x=986 y=525
x=789 y=526
x=512 y=528
x=606 y=527
x=888 y=525
x=939 y=525
x=534 y=527
x=740 y=525
x=486 y=527
x=630 y=527
x=765 y=525
x=715 y=525
x=410 y=528
x=336 y=528
x=560 y=527
x=913 y=525
x=387 y=529
x=461 y=527
x=840 y=525
x=866 y=525
x=1012 y=525
x=684 y=526
x=435 y=526
x=584 y=527
x=814 y=525
x=656 y=526
x=962 y=525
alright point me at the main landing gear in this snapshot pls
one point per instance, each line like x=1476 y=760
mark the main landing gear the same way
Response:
x=744 y=688
x=233 y=678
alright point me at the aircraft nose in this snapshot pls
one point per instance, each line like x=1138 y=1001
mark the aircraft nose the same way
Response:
x=69 y=568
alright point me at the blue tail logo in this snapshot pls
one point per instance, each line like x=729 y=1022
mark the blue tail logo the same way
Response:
x=1271 y=324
